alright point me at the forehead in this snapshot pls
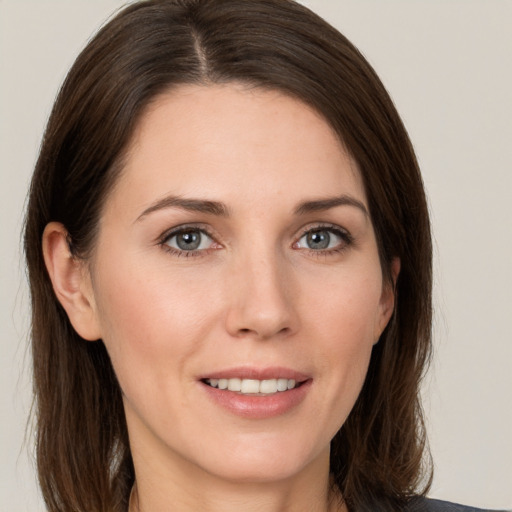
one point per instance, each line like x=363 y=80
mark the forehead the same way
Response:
x=231 y=140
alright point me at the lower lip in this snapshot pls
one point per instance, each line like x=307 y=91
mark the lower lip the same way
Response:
x=258 y=407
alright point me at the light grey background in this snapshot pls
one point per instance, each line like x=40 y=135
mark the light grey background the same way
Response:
x=447 y=64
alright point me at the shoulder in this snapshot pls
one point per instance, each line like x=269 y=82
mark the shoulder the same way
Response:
x=431 y=505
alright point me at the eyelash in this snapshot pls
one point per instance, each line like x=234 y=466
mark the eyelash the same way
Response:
x=168 y=235
x=344 y=235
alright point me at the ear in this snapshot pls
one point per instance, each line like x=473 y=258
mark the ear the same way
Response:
x=71 y=281
x=387 y=299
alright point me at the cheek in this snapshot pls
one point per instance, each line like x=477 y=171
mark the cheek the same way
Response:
x=349 y=307
x=151 y=322
x=342 y=322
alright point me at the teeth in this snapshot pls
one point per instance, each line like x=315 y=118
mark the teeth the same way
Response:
x=268 y=386
x=282 y=384
x=234 y=384
x=250 y=386
x=253 y=386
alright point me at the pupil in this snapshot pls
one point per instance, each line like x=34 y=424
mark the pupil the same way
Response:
x=319 y=240
x=188 y=241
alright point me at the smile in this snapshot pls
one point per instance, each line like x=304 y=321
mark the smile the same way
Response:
x=256 y=392
x=253 y=386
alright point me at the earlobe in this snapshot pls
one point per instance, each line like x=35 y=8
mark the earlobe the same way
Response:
x=387 y=300
x=71 y=281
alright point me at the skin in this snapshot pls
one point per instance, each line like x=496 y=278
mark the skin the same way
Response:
x=254 y=294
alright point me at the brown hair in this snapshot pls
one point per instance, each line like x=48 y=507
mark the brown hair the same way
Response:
x=83 y=454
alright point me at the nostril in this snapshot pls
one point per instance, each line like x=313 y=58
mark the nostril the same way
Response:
x=247 y=332
x=259 y=320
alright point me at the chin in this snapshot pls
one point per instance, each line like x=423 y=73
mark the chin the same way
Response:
x=263 y=461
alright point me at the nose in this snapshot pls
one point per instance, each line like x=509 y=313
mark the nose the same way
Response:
x=262 y=304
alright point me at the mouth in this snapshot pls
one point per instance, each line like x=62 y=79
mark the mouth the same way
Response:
x=254 y=387
x=257 y=392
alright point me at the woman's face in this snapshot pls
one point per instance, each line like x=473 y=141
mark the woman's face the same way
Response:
x=236 y=250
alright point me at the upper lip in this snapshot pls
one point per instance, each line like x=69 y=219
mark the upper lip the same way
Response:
x=257 y=373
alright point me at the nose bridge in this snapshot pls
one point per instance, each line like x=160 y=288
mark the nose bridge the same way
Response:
x=261 y=304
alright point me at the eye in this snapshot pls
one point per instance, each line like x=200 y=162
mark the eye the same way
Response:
x=324 y=239
x=188 y=240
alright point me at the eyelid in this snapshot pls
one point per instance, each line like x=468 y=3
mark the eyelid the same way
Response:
x=339 y=231
x=164 y=238
x=319 y=226
x=183 y=228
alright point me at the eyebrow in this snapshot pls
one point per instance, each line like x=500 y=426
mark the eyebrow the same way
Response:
x=193 y=205
x=328 y=203
x=220 y=209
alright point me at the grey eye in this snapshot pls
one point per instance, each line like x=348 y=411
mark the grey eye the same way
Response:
x=318 y=239
x=190 y=240
x=321 y=239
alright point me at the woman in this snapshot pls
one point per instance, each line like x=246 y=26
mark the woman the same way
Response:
x=232 y=297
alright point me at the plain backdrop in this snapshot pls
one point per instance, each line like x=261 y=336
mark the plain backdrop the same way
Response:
x=448 y=67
